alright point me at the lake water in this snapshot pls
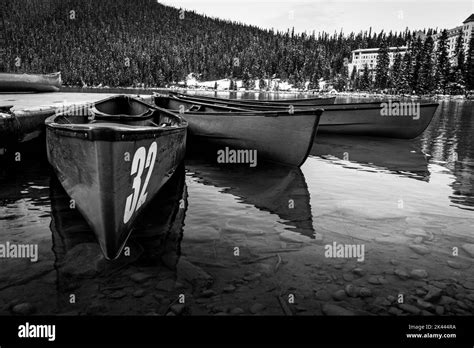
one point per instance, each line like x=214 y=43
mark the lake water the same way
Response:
x=239 y=240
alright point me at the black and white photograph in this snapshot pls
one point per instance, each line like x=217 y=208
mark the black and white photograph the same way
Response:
x=247 y=160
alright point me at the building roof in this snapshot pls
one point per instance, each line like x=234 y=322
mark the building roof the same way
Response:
x=374 y=50
x=469 y=19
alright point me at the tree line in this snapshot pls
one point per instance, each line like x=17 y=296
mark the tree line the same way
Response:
x=422 y=69
x=144 y=43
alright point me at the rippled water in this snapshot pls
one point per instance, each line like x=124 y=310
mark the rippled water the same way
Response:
x=241 y=240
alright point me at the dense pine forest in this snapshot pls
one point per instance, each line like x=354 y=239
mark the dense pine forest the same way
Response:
x=141 y=42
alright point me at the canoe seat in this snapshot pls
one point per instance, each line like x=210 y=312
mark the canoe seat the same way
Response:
x=195 y=108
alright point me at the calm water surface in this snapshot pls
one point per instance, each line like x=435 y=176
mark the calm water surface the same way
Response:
x=234 y=239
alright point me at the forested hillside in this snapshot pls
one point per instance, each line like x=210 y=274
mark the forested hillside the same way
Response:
x=130 y=42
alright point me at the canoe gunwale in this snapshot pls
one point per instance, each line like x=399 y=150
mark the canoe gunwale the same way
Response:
x=246 y=113
x=231 y=111
x=112 y=134
x=277 y=101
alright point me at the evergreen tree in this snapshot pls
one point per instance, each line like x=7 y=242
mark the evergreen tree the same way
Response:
x=353 y=77
x=443 y=66
x=469 y=70
x=426 y=78
x=382 y=69
x=405 y=73
x=395 y=72
x=458 y=73
x=365 y=81
x=417 y=58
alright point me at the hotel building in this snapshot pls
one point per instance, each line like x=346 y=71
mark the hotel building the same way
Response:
x=368 y=56
x=467 y=29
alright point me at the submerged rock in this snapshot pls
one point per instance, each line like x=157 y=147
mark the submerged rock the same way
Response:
x=401 y=274
x=237 y=311
x=165 y=285
x=358 y=272
x=140 y=277
x=420 y=249
x=350 y=290
x=331 y=309
x=257 y=308
x=339 y=295
x=229 y=288
x=187 y=272
x=418 y=274
x=208 y=293
x=322 y=295
x=139 y=293
x=410 y=308
x=365 y=292
x=83 y=261
x=416 y=232
x=23 y=309
x=434 y=293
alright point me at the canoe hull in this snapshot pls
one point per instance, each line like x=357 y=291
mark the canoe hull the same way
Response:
x=370 y=121
x=284 y=139
x=23 y=125
x=98 y=175
x=365 y=119
x=30 y=82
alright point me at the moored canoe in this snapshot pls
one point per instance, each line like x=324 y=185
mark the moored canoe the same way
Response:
x=276 y=136
x=30 y=82
x=314 y=101
x=112 y=165
x=390 y=118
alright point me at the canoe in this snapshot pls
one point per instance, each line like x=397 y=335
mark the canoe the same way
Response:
x=248 y=136
x=383 y=119
x=30 y=82
x=18 y=126
x=260 y=104
x=274 y=102
x=112 y=161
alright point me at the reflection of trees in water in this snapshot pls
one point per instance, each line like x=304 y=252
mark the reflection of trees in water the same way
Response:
x=451 y=139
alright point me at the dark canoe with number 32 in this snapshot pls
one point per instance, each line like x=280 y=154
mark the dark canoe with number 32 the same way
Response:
x=112 y=157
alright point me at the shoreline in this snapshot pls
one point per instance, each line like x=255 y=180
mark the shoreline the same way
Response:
x=133 y=90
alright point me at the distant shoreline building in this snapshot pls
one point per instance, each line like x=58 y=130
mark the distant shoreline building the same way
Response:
x=467 y=29
x=363 y=56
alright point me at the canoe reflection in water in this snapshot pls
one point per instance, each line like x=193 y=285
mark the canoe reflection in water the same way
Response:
x=396 y=156
x=155 y=237
x=274 y=188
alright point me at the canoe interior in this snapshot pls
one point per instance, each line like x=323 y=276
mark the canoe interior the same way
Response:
x=122 y=107
x=184 y=105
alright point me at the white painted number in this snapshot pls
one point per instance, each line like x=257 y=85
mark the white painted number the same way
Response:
x=150 y=162
x=137 y=198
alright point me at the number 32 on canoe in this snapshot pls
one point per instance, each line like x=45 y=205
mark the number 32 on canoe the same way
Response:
x=138 y=197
